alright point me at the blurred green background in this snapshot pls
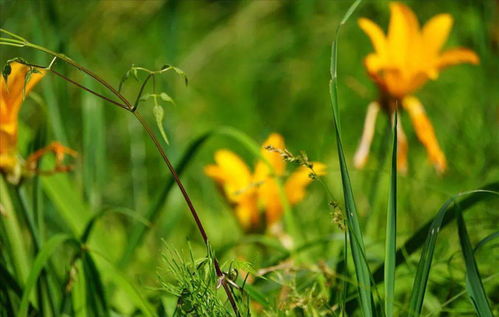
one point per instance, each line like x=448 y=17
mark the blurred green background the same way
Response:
x=261 y=67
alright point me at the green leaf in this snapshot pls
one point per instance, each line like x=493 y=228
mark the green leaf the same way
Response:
x=67 y=201
x=94 y=163
x=145 y=97
x=158 y=115
x=423 y=270
x=242 y=266
x=134 y=294
x=123 y=80
x=391 y=228
x=486 y=240
x=134 y=72
x=182 y=74
x=418 y=238
x=41 y=261
x=424 y=266
x=96 y=297
x=13 y=239
x=91 y=224
x=356 y=240
x=8 y=282
x=257 y=296
x=165 y=97
x=474 y=284
x=139 y=230
x=78 y=293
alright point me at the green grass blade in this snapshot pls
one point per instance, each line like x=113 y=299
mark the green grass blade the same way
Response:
x=474 y=283
x=13 y=239
x=67 y=201
x=424 y=266
x=78 y=293
x=50 y=87
x=417 y=239
x=8 y=281
x=415 y=242
x=486 y=240
x=96 y=297
x=36 y=192
x=21 y=205
x=39 y=264
x=256 y=295
x=134 y=294
x=139 y=229
x=356 y=239
x=391 y=228
x=423 y=270
x=11 y=290
x=94 y=145
x=123 y=211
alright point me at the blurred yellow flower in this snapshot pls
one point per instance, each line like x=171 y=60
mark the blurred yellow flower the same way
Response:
x=12 y=93
x=255 y=196
x=402 y=62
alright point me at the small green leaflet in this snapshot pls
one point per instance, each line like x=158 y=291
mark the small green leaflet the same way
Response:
x=159 y=114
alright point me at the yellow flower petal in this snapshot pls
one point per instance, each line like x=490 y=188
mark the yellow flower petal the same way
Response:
x=407 y=56
x=403 y=33
x=251 y=195
x=232 y=173
x=11 y=94
x=7 y=161
x=375 y=33
x=268 y=190
x=425 y=133
x=11 y=97
x=270 y=200
x=247 y=214
x=457 y=56
x=435 y=33
x=298 y=181
x=215 y=172
x=262 y=170
x=374 y=63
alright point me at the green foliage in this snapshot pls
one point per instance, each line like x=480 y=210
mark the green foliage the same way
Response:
x=354 y=232
x=195 y=285
x=86 y=242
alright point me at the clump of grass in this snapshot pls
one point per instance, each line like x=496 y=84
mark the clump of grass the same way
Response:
x=304 y=290
x=195 y=284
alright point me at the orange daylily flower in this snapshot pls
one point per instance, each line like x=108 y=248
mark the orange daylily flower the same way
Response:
x=255 y=196
x=403 y=60
x=12 y=93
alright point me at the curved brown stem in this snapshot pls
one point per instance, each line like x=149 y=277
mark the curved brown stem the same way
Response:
x=89 y=90
x=193 y=211
x=128 y=106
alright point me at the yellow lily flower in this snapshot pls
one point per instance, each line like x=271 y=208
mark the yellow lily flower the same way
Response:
x=12 y=93
x=402 y=62
x=255 y=196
